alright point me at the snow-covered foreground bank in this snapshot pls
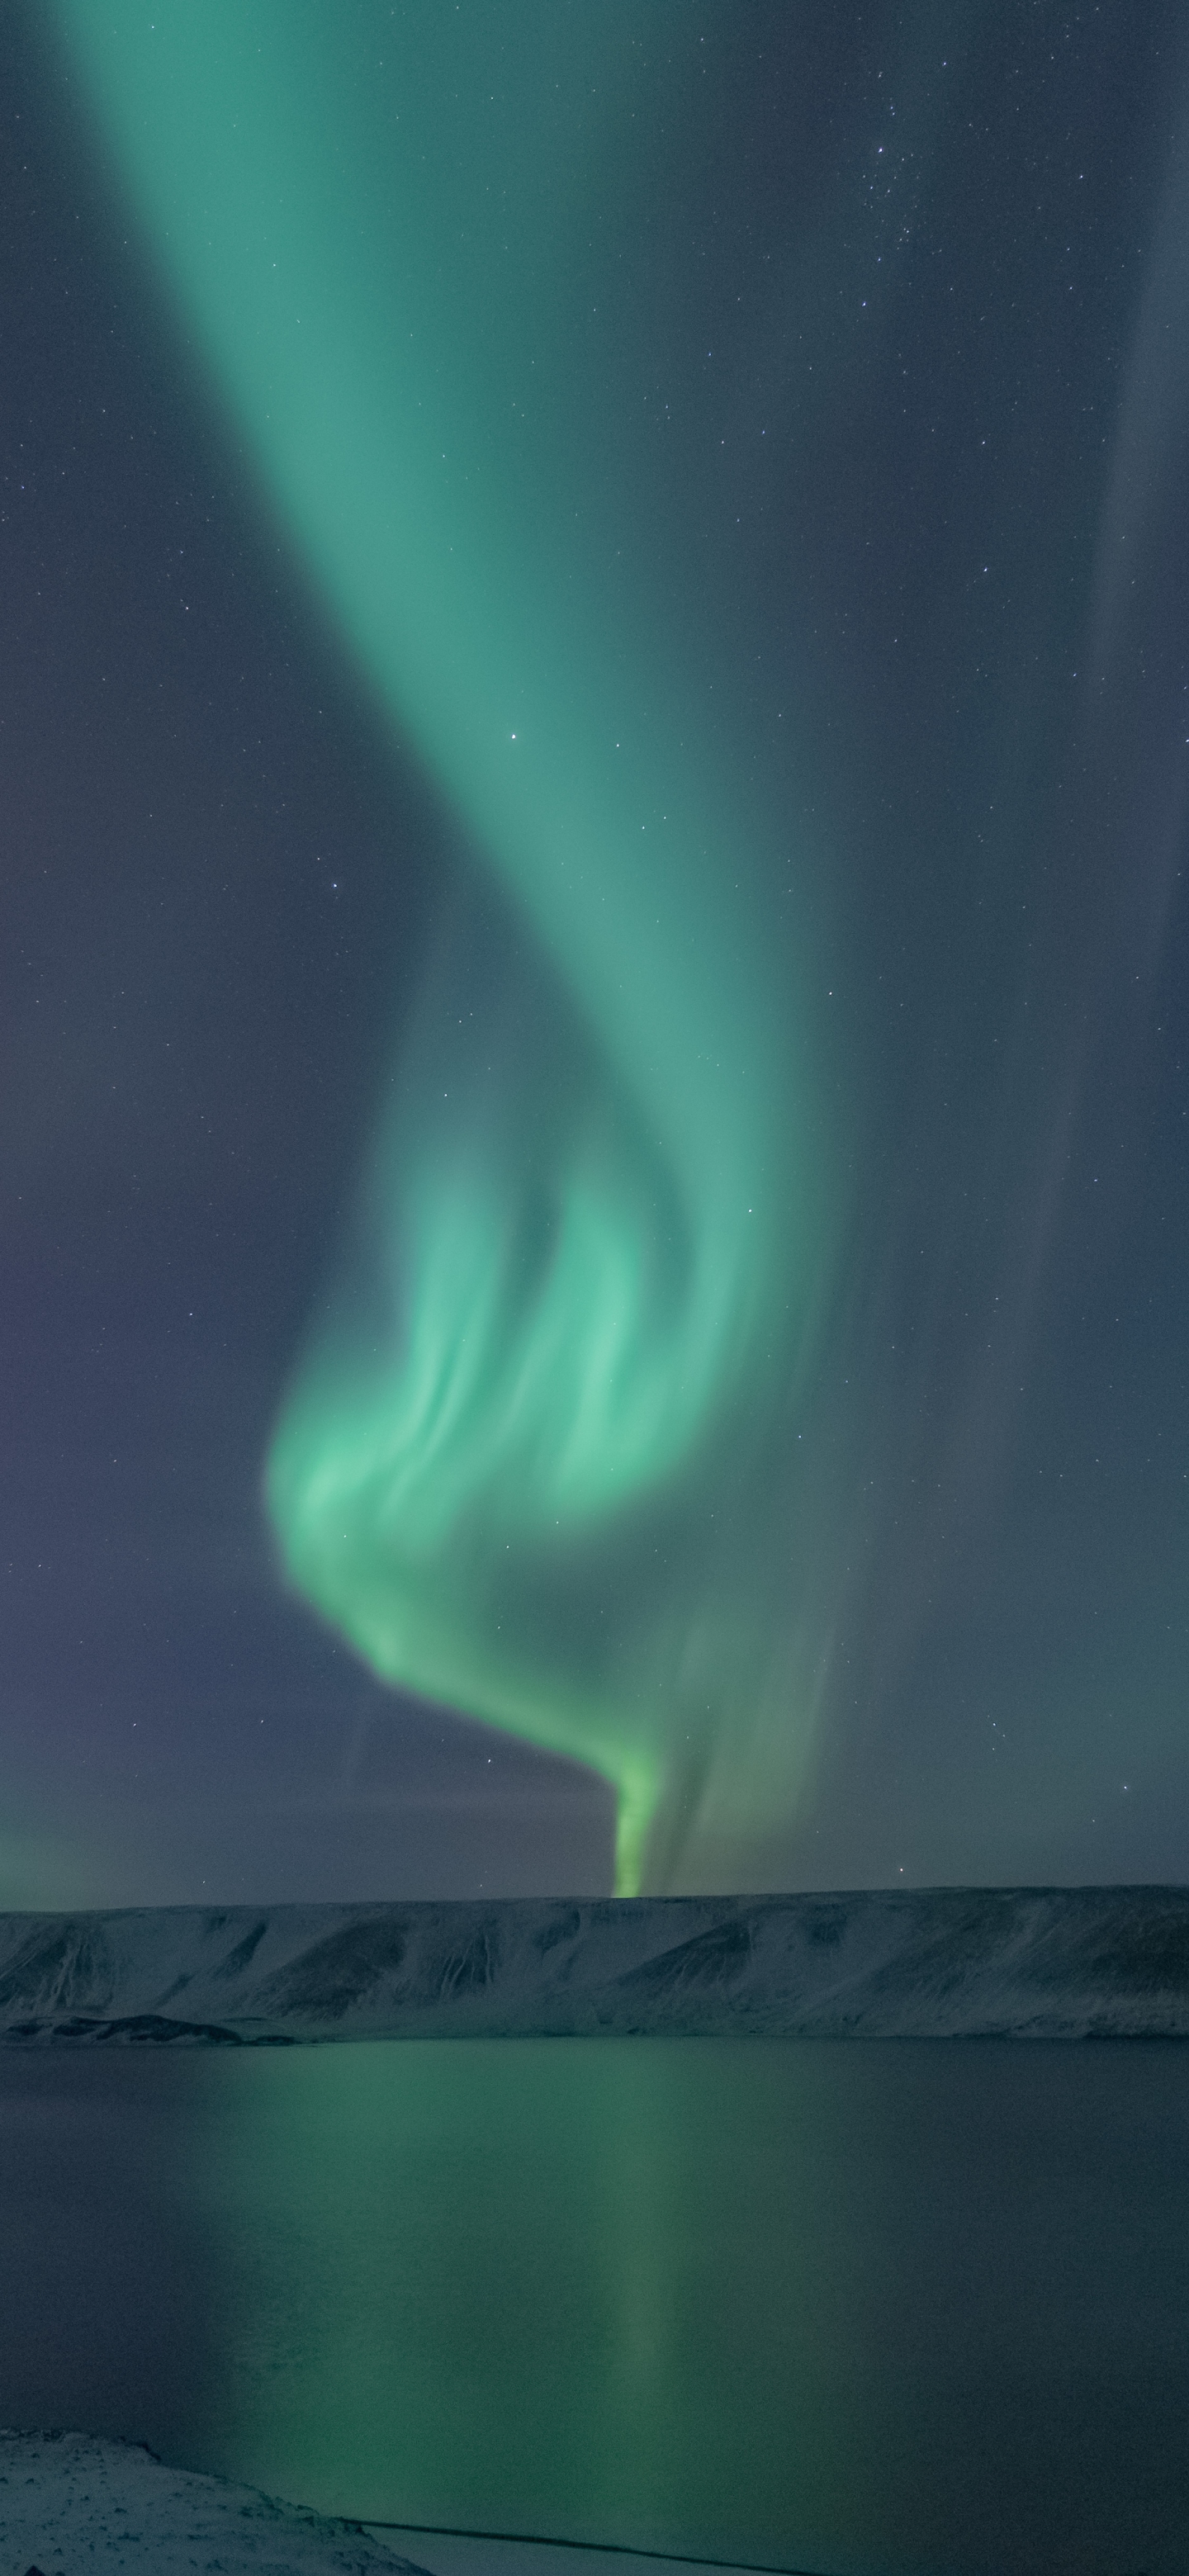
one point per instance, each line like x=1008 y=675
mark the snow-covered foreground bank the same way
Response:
x=69 y=2502
x=1050 y=1963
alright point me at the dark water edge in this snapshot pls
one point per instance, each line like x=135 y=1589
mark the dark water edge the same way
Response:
x=899 y=2307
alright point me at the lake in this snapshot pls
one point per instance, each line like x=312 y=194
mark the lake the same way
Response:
x=870 y=2306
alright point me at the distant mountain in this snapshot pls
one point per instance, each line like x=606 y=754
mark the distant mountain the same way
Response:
x=1020 y=1963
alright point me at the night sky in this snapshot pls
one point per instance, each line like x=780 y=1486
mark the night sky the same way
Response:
x=594 y=1053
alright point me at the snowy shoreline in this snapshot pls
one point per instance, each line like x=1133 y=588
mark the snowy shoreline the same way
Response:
x=1020 y=1963
x=70 y=2498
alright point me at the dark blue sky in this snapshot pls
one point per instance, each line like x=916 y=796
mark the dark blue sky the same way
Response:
x=943 y=255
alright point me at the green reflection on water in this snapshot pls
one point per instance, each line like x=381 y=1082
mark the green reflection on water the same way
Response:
x=529 y=2286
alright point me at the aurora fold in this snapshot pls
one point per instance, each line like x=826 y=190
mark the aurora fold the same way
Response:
x=578 y=1288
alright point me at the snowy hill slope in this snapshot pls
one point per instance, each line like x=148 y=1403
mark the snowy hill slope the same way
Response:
x=952 y=1963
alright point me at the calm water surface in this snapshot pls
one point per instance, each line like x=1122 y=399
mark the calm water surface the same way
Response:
x=848 y=2307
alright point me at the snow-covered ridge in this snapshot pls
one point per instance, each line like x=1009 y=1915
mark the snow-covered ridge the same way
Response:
x=1044 y=1963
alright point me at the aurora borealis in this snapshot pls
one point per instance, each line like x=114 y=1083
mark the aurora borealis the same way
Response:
x=569 y=1312
x=732 y=1341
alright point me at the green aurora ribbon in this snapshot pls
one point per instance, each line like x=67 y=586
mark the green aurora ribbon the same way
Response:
x=520 y=1465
